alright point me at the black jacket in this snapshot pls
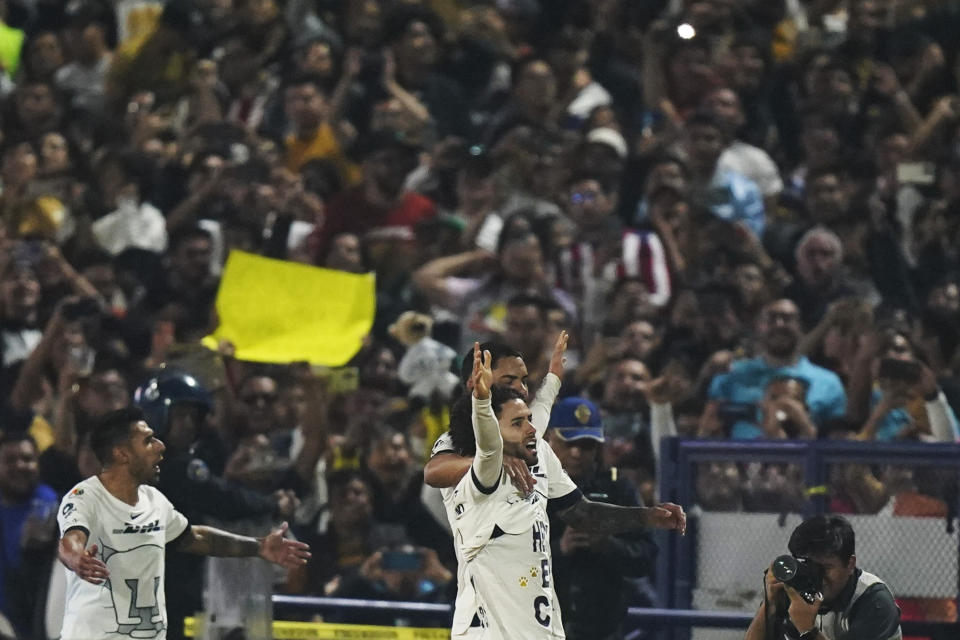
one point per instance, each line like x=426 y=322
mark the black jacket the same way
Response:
x=591 y=585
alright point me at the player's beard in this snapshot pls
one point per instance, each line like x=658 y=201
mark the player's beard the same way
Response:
x=519 y=450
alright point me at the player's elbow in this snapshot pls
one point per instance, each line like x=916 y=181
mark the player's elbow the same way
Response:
x=434 y=476
x=446 y=470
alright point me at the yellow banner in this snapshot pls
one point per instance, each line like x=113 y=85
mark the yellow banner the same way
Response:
x=329 y=631
x=279 y=311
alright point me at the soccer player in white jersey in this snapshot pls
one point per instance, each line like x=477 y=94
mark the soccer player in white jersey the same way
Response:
x=503 y=536
x=115 y=528
x=446 y=467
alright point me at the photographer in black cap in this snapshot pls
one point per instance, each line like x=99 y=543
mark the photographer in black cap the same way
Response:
x=850 y=603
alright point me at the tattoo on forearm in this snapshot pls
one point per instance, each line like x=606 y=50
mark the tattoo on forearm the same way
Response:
x=597 y=517
x=209 y=541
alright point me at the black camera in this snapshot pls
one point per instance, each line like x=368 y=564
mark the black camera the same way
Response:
x=801 y=574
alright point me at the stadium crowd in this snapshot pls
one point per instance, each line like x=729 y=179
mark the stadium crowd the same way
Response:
x=746 y=213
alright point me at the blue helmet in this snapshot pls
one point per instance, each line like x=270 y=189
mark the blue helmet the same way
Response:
x=164 y=390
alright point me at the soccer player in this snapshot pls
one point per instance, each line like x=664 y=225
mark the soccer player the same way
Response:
x=504 y=537
x=115 y=585
x=446 y=467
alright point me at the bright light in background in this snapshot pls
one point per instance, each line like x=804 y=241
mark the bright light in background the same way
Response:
x=686 y=31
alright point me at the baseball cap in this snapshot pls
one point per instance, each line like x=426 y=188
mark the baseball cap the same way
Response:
x=610 y=138
x=576 y=418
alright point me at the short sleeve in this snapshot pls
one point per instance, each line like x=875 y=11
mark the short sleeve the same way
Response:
x=176 y=522
x=444 y=444
x=75 y=511
x=717 y=387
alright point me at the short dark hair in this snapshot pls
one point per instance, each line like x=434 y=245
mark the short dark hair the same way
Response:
x=497 y=351
x=704 y=119
x=184 y=234
x=461 y=417
x=301 y=79
x=823 y=535
x=607 y=184
x=113 y=430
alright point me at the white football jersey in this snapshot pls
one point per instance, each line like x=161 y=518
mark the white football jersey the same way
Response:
x=541 y=408
x=503 y=544
x=130 y=541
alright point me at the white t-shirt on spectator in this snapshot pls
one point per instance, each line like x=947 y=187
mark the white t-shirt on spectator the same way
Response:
x=132 y=227
x=754 y=163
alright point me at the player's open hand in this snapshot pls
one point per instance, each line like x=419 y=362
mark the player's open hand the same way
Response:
x=279 y=550
x=519 y=474
x=482 y=373
x=557 y=360
x=666 y=515
x=90 y=568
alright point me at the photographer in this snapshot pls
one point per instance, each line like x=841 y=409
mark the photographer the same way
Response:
x=850 y=604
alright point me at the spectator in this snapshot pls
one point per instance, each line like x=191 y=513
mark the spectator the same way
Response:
x=734 y=396
x=740 y=157
x=821 y=280
x=727 y=195
x=88 y=36
x=134 y=222
x=27 y=508
x=607 y=252
x=380 y=204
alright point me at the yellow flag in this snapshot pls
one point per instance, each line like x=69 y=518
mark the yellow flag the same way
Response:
x=278 y=311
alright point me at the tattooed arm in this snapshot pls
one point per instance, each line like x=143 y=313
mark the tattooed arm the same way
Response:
x=598 y=517
x=208 y=541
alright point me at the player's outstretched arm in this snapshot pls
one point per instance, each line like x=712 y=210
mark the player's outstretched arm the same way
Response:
x=208 y=541
x=82 y=561
x=598 y=517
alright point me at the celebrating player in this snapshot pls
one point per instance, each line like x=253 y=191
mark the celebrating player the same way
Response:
x=115 y=586
x=504 y=537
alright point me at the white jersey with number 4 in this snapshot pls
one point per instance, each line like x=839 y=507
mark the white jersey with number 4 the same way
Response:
x=130 y=541
x=503 y=541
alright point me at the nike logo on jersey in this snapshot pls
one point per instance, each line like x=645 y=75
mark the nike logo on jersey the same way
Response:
x=148 y=527
x=134 y=516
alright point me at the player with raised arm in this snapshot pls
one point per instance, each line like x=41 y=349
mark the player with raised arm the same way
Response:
x=503 y=537
x=115 y=529
x=447 y=465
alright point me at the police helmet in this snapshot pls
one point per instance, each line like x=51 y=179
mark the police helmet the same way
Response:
x=164 y=390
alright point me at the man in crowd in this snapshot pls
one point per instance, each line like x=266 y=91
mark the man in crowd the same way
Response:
x=735 y=396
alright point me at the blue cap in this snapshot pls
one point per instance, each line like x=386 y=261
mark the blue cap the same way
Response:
x=576 y=418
